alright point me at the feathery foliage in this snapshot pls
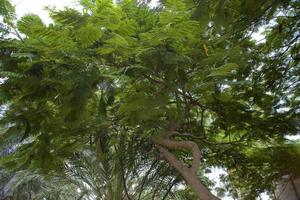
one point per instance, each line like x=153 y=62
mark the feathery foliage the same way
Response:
x=114 y=76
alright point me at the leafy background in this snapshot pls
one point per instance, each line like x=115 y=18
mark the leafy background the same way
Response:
x=69 y=78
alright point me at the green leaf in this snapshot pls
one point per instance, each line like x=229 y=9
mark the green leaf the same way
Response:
x=202 y=14
x=105 y=50
x=88 y=35
x=117 y=40
x=31 y=24
x=224 y=70
x=6 y=74
x=22 y=55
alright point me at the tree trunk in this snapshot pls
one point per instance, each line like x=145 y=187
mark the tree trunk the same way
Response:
x=188 y=173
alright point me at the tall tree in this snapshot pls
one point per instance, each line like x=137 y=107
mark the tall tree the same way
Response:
x=185 y=79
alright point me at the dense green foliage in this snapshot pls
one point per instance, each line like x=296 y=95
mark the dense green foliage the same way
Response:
x=83 y=96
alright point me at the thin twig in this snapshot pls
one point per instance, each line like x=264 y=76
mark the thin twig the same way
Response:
x=145 y=178
x=169 y=189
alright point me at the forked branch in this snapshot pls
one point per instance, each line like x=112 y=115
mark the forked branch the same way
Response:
x=164 y=144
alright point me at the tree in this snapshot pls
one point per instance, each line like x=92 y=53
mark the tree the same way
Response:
x=185 y=75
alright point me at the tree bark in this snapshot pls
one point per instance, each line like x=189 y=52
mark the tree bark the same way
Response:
x=188 y=173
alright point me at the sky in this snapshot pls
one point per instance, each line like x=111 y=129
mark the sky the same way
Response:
x=37 y=7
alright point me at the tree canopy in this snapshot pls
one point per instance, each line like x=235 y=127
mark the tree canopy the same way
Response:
x=128 y=101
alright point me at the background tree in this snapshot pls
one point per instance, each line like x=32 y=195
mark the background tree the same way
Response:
x=183 y=76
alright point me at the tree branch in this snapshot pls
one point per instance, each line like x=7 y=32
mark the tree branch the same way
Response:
x=124 y=180
x=170 y=144
x=169 y=189
x=146 y=177
x=189 y=174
